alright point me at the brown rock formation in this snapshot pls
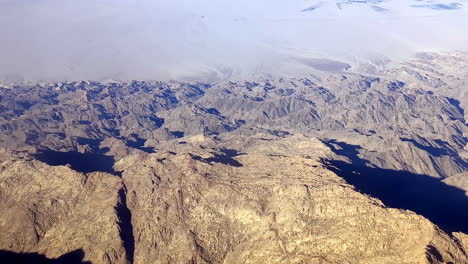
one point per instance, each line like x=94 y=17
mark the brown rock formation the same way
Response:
x=55 y=210
x=215 y=205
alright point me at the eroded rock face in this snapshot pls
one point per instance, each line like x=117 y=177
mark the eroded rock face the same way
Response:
x=55 y=210
x=206 y=203
x=274 y=208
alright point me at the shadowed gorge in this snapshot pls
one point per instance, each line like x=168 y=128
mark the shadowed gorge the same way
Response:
x=444 y=205
x=125 y=224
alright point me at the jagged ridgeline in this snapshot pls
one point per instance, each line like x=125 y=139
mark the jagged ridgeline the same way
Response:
x=329 y=168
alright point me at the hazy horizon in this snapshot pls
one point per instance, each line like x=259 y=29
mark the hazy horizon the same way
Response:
x=209 y=41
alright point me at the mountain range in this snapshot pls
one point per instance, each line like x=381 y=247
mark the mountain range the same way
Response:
x=334 y=167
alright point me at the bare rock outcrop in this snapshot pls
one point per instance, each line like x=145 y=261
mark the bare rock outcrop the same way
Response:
x=55 y=210
x=270 y=207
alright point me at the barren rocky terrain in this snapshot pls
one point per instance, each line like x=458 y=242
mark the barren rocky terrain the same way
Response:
x=330 y=168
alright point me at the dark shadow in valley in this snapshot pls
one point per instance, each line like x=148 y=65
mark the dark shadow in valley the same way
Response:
x=177 y=134
x=81 y=162
x=434 y=151
x=226 y=156
x=434 y=256
x=444 y=205
x=125 y=225
x=73 y=257
x=457 y=105
x=139 y=143
x=443 y=150
x=93 y=160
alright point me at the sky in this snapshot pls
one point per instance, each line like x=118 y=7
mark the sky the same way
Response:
x=212 y=40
